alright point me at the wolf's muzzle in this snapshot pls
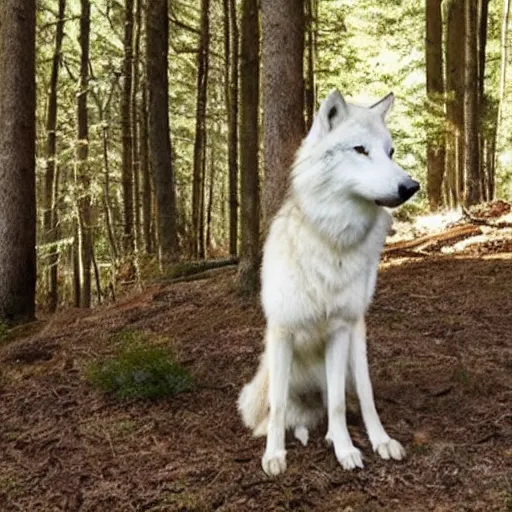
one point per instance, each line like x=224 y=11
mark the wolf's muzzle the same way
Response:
x=408 y=189
x=405 y=191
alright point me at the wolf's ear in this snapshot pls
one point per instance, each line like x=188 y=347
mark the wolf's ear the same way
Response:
x=383 y=106
x=331 y=111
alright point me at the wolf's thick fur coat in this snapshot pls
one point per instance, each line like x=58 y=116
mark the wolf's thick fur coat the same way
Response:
x=318 y=277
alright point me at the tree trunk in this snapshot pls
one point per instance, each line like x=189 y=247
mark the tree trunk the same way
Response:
x=127 y=124
x=310 y=87
x=249 y=100
x=82 y=151
x=484 y=105
x=17 y=161
x=159 y=130
x=483 y=19
x=435 y=90
x=455 y=98
x=145 y=171
x=76 y=264
x=504 y=62
x=231 y=38
x=97 y=277
x=135 y=124
x=283 y=95
x=471 y=114
x=106 y=195
x=200 y=138
x=51 y=177
x=211 y=186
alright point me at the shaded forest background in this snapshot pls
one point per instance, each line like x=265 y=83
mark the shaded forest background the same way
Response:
x=120 y=197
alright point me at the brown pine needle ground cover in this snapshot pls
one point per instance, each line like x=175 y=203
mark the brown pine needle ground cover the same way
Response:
x=440 y=333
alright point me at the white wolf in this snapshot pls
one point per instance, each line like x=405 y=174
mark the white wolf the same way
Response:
x=318 y=277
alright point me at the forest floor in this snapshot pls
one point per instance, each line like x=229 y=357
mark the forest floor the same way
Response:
x=440 y=333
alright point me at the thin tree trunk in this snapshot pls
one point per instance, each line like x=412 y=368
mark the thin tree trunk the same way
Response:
x=135 y=123
x=76 y=264
x=484 y=105
x=17 y=161
x=249 y=100
x=435 y=90
x=51 y=177
x=127 y=126
x=283 y=95
x=471 y=86
x=106 y=195
x=200 y=137
x=82 y=151
x=159 y=129
x=455 y=97
x=209 y=208
x=146 y=176
x=231 y=39
x=310 y=88
x=97 y=278
x=504 y=62
x=483 y=19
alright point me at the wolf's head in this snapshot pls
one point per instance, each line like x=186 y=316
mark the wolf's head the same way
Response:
x=348 y=154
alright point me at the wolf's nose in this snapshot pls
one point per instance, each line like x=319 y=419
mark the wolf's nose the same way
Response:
x=407 y=190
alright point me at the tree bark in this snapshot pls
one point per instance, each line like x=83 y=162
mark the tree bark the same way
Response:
x=471 y=110
x=211 y=188
x=17 y=161
x=504 y=61
x=249 y=100
x=106 y=195
x=283 y=95
x=455 y=98
x=145 y=171
x=127 y=127
x=231 y=40
x=135 y=125
x=159 y=129
x=82 y=152
x=200 y=137
x=484 y=105
x=435 y=90
x=51 y=185
x=310 y=86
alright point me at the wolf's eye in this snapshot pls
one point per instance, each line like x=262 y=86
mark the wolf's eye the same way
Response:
x=392 y=152
x=361 y=150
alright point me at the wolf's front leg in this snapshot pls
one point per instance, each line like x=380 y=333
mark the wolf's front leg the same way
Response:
x=386 y=447
x=336 y=367
x=279 y=357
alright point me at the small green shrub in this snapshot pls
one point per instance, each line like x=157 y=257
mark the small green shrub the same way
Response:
x=508 y=501
x=140 y=371
x=4 y=331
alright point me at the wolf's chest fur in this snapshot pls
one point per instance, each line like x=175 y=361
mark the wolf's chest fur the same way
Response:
x=310 y=284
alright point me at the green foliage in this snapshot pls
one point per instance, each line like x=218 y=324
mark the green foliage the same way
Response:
x=4 y=331
x=409 y=211
x=138 y=370
x=508 y=501
x=364 y=48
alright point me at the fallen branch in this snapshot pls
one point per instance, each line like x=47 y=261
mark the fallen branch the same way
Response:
x=204 y=274
x=479 y=221
x=420 y=244
x=194 y=267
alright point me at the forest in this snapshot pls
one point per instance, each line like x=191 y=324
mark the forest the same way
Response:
x=145 y=147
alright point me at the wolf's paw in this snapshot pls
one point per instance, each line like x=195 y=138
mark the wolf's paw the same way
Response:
x=390 y=449
x=350 y=458
x=274 y=464
x=302 y=434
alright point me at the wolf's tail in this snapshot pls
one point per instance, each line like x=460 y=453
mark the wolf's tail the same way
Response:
x=253 y=401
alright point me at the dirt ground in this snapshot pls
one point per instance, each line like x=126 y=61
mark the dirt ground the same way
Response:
x=440 y=334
